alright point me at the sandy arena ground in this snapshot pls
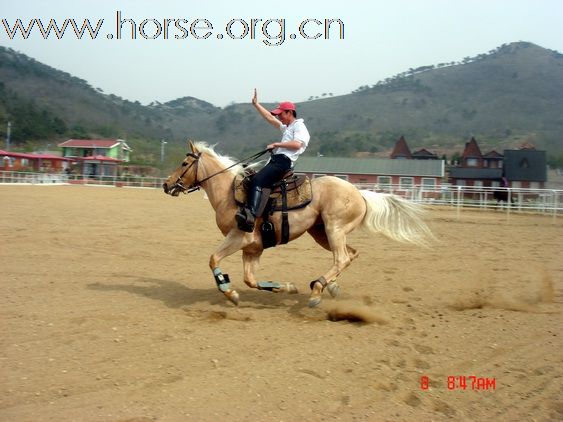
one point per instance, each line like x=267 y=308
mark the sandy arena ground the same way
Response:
x=110 y=313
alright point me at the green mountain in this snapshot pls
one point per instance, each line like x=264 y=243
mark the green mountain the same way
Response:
x=508 y=96
x=511 y=95
x=46 y=106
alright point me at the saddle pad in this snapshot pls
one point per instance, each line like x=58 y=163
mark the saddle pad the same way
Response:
x=298 y=196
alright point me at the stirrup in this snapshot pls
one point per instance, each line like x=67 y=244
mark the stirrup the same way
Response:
x=245 y=220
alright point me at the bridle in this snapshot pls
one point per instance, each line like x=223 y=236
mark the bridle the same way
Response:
x=179 y=187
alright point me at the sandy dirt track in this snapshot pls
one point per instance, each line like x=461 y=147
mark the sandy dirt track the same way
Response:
x=110 y=313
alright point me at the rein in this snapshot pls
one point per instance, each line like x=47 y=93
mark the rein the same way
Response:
x=196 y=185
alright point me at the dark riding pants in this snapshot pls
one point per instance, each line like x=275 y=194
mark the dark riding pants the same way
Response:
x=272 y=173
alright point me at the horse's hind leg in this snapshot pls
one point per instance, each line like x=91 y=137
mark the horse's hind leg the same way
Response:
x=318 y=233
x=342 y=257
x=352 y=253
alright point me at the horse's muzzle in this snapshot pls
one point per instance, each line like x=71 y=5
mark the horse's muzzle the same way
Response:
x=173 y=190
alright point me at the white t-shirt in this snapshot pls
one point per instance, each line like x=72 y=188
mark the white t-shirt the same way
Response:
x=296 y=131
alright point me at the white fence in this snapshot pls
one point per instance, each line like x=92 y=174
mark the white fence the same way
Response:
x=546 y=201
x=8 y=177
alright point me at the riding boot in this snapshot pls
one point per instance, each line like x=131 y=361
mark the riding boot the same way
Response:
x=247 y=216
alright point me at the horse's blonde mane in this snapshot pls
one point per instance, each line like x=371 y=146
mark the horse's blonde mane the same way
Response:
x=224 y=160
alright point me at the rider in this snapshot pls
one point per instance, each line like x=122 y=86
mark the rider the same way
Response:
x=294 y=140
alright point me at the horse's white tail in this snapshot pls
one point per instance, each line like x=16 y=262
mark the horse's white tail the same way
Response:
x=396 y=218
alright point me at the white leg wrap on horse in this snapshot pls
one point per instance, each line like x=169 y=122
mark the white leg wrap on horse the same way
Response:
x=269 y=285
x=222 y=280
x=274 y=286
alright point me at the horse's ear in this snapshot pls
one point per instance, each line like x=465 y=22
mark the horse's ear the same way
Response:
x=193 y=147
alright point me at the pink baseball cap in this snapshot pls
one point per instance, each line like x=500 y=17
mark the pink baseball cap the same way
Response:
x=285 y=106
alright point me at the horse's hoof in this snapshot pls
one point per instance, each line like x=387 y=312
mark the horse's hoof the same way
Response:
x=314 y=302
x=333 y=288
x=290 y=288
x=233 y=296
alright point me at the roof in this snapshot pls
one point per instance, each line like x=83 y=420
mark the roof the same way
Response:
x=475 y=173
x=525 y=164
x=424 y=153
x=99 y=158
x=493 y=154
x=93 y=143
x=401 y=149
x=471 y=149
x=374 y=166
x=32 y=156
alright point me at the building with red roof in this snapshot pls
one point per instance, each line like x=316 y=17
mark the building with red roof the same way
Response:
x=89 y=157
x=524 y=168
x=401 y=150
x=493 y=160
x=23 y=161
x=112 y=148
x=472 y=156
x=97 y=157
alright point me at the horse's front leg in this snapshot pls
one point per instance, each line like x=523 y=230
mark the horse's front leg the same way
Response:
x=250 y=262
x=233 y=242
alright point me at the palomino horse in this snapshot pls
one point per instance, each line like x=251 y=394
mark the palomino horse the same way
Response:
x=336 y=209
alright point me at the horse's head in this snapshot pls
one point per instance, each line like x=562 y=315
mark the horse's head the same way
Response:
x=184 y=178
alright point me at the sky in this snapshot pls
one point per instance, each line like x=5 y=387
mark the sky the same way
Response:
x=219 y=51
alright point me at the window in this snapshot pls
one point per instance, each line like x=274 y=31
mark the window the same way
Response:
x=478 y=183
x=460 y=182
x=428 y=183
x=342 y=176
x=384 y=182
x=318 y=175
x=472 y=162
x=406 y=182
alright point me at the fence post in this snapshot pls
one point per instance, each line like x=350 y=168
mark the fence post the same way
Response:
x=508 y=201
x=458 y=201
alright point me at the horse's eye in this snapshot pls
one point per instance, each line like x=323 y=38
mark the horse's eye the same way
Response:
x=184 y=164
